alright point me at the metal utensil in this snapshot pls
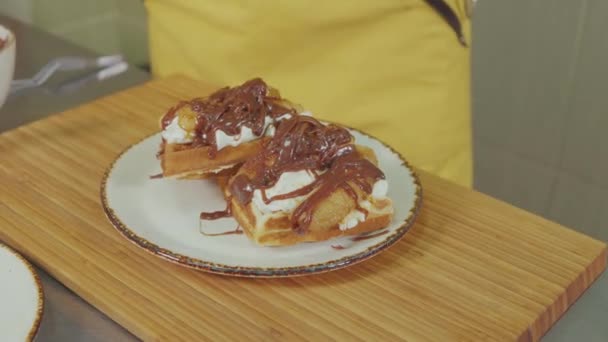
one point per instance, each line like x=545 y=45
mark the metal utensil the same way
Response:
x=99 y=75
x=63 y=64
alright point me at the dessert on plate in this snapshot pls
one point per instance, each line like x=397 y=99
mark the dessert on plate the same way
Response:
x=309 y=182
x=212 y=136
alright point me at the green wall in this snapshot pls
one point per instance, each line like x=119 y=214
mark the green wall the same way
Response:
x=104 y=26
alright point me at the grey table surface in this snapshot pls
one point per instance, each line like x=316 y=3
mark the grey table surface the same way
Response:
x=69 y=318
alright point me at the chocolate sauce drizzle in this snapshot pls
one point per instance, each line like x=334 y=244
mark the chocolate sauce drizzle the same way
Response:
x=303 y=143
x=217 y=215
x=237 y=231
x=360 y=238
x=369 y=236
x=228 y=110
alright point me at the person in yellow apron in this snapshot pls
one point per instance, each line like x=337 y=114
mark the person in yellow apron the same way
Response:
x=397 y=69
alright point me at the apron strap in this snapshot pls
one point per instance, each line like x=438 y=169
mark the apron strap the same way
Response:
x=446 y=12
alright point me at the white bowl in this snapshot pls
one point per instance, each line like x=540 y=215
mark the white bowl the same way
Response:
x=7 y=62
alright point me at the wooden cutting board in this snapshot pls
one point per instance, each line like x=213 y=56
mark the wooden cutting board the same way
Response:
x=471 y=268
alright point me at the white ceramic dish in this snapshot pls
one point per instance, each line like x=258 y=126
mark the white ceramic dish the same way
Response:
x=21 y=297
x=7 y=62
x=162 y=216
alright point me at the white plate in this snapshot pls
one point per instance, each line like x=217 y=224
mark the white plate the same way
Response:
x=162 y=216
x=21 y=299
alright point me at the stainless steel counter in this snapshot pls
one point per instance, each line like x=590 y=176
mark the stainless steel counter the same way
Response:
x=67 y=317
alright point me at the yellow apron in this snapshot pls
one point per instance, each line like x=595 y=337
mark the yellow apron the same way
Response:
x=393 y=68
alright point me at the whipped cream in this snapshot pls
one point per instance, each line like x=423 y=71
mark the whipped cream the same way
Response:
x=222 y=139
x=175 y=134
x=288 y=182
x=352 y=219
x=292 y=181
x=271 y=130
x=379 y=190
x=286 y=116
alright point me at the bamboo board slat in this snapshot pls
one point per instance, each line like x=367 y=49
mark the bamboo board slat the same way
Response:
x=471 y=268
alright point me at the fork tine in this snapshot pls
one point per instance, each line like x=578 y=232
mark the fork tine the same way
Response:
x=72 y=63
x=108 y=60
x=46 y=72
x=20 y=82
x=16 y=88
x=75 y=63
